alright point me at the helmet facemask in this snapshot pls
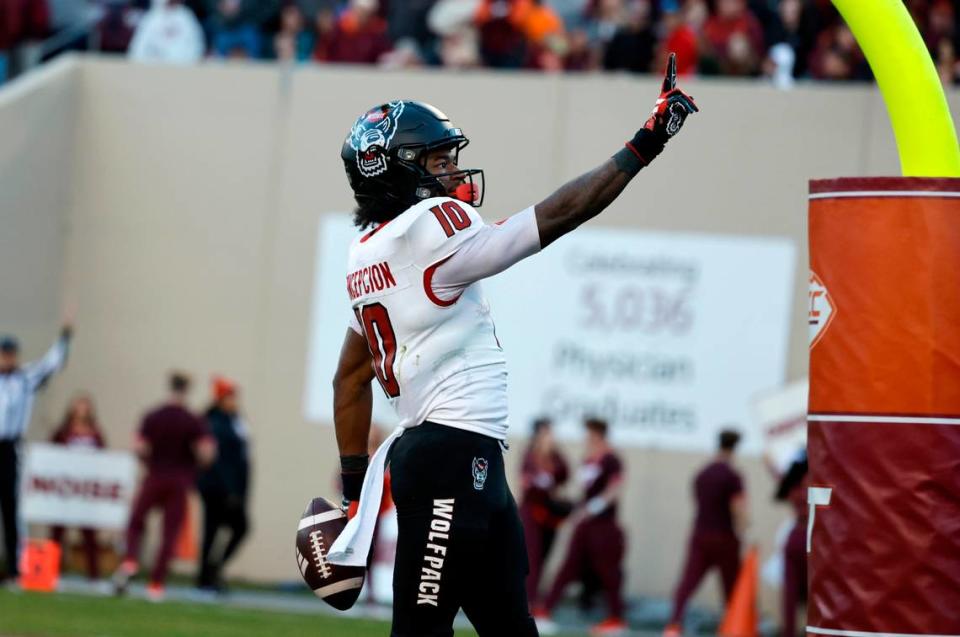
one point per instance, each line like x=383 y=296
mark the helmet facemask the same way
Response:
x=467 y=184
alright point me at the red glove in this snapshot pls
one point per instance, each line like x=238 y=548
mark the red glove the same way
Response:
x=671 y=110
x=672 y=106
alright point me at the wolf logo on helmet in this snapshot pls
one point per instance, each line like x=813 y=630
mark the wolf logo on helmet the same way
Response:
x=384 y=157
x=371 y=136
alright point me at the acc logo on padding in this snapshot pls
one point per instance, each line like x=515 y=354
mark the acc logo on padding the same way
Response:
x=821 y=309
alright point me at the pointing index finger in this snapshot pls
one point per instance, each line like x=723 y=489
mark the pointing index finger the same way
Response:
x=670 y=78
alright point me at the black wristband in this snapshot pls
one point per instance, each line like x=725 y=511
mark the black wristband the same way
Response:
x=628 y=161
x=647 y=144
x=352 y=470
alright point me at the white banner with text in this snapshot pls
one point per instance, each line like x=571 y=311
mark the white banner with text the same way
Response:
x=86 y=488
x=668 y=336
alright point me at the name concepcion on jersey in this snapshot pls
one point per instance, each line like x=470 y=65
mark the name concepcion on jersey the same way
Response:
x=372 y=278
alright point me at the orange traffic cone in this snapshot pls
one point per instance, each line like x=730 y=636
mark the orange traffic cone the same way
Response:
x=186 y=548
x=40 y=566
x=740 y=620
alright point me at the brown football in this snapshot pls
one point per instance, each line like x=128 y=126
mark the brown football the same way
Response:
x=321 y=524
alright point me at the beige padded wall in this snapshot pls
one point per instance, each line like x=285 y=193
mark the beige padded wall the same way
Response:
x=37 y=124
x=37 y=151
x=194 y=218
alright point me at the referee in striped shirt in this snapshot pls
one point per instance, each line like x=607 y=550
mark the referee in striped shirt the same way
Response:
x=18 y=384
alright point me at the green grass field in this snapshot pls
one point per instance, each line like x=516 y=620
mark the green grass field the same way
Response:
x=63 y=615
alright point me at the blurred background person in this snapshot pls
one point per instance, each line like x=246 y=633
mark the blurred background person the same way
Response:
x=80 y=430
x=20 y=21
x=173 y=443
x=721 y=518
x=837 y=56
x=18 y=384
x=734 y=40
x=168 y=32
x=117 y=22
x=500 y=24
x=293 y=42
x=361 y=35
x=680 y=34
x=324 y=33
x=224 y=485
x=793 y=490
x=542 y=508
x=236 y=26
x=634 y=42
x=598 y=544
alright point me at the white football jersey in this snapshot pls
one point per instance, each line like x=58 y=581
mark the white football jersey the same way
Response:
x=437 y=357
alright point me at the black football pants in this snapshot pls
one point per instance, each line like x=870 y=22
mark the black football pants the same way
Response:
x=9 y=475
x=460 y=542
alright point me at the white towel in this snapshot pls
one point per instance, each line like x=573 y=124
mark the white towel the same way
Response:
x=353 y=545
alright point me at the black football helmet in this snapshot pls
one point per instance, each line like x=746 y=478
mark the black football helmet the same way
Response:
x=385 y=153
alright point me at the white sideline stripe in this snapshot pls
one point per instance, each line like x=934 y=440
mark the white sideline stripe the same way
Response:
x=896 y=420
x=339 y=587
x=884 y=193
x=861 y=633
x=320 y=518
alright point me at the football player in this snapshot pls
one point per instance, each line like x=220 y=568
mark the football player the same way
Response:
x=597 y=545
x=421 y=325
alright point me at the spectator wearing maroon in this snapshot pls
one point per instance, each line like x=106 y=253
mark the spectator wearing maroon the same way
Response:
x=224 y=485
x=20 y=20
x=598 y=544
x=80 y=430
x=940 y=35
x=235 y=26
x=720 y=518
x=116 y=26
x=633 y=44
x=293 y=42
x=542 y=510
x=940 y=23
x=837 y=55
x=325 y=34
x=735 y=38
x=361 y=34
x=580 y=55
x=503 y=43
x=173 y=443
x=793 y=490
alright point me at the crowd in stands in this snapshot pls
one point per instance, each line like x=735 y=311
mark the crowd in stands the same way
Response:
x=780 y=39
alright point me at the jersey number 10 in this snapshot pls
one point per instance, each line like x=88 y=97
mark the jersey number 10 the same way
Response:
x=451 y=217
x=382 y=341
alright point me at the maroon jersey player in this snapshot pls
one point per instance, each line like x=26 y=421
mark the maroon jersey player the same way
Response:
x=720 y=517
x=598 y=543
x=173 y=444
x=542 y=511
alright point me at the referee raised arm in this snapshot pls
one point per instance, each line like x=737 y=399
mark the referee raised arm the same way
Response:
x=18 y=384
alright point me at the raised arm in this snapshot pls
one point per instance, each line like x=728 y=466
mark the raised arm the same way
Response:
x=39 y=371
x=586 y=196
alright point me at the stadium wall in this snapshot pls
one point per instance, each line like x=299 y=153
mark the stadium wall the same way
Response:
x=180 y=207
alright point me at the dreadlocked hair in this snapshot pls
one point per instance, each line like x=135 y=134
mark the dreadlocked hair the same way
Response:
x=371 y=211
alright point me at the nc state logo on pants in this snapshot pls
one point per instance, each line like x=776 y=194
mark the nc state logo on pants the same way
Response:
x=479 y=473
